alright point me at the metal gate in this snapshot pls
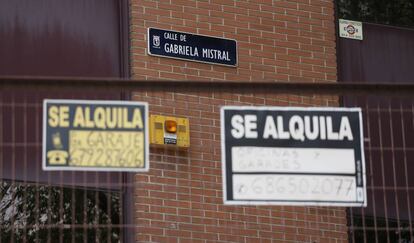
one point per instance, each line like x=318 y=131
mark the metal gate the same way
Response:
x=39 y=206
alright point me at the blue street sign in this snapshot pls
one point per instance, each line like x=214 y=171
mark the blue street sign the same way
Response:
x=191 y=47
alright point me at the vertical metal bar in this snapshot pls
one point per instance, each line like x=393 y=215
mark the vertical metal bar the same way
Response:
x=383 y=172
x=13 y=161
x=394 y=169
x=73 y=222
x=122 y=208
x=1 y=155
x=73 y=211
x=85 y=211
x=61 y=222
x=97 y=224
x=38 y=113
x=371 y=171
x=364 y=231
x=352 y=230
x=61 y=209
x=49 y=209
x=109 y=212
x=364 y=225
x=351 y=225
x=407 y=191
x=123 y=189
x=24 y=186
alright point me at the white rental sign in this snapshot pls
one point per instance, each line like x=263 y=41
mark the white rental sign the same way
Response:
x=293 y=156
x=350 y=29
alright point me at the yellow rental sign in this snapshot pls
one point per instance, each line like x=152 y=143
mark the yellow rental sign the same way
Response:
x=95 y=135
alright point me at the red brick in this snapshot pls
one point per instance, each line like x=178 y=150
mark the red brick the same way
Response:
x=180 y=199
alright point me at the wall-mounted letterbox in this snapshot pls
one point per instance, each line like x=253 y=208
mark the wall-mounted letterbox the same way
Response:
x=167 y=130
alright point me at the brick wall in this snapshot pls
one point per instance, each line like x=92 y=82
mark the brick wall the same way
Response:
x=277 y=40
x=180 y=199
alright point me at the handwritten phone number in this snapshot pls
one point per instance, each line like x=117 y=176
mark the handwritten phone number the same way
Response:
x=300 y=187
x=99 y=157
